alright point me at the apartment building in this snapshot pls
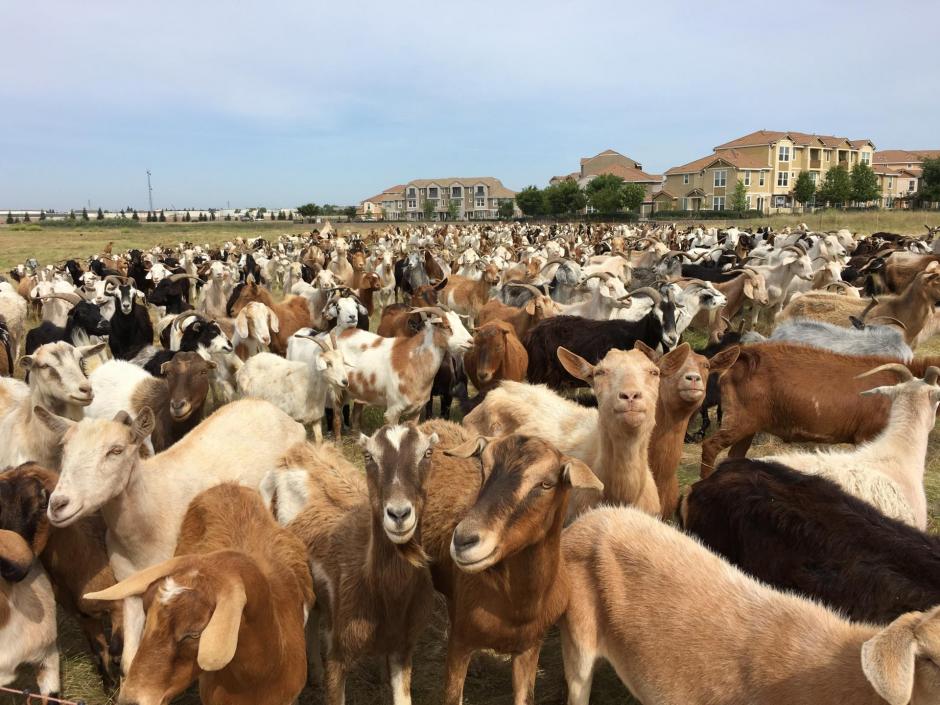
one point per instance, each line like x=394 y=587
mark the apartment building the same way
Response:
x=767 y=162
x=899 y=172
x=612 y=162
x=457 y=198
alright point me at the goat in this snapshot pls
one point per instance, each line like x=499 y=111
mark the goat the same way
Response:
x=492 y=529
x=177 y=399
x=467 y=296
x=229 y=608
x=6 y=351
x=171 y=293
x=522 y=318
x=58 y=382
x=254 y=327
x=612 y=439
x=882 y=340
x=726 y=637
x=13 y=313
x=497 y=354
x=74 y=558
x=102 y=469
x=130 y=327
x=292 y=313
x=84 y=324
x=804 y=533
x=800 y=394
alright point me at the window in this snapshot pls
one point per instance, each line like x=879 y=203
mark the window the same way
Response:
x=721 y=176
x=890 y=182
x=866 y=158
x=432 y=192
x=480 y=191
x=412 y=193
x=412 y=203
x=424 y=192
x=718 y=203
x=747 y=178
x=455 y=192
x=912 y=185
x=683 y=204
x=747 y=201
x=827 y=153
x=481 y=203
x=685 y=180
x=783 y=178
x=760 y=181
x=812 y=176
x=783 y=154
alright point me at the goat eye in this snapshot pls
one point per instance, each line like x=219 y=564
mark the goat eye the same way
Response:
x=367 y=457
x=548 y=485
x=599 y=373
x=428 y=453
x=116 y=450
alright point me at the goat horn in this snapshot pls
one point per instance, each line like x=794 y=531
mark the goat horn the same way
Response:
x=534 y=289
x=726 y=320
x=551 y=262
x=902 y=372
x=114 y=277
x=931 y=374
x=181 y=276
x=322 y=344
x=599 y=275
x=650 y=292
x=893 y=320
x=73 y=299
x=428 y=309
x=333 y=340
x=820 y=257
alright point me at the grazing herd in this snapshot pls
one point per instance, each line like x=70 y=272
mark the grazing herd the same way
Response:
x=164 y=477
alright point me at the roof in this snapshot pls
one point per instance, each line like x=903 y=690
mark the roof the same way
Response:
x=393 y=193
x=731 y=156
x=905 y=156
x=630 y=174
x=663 y=192
x=768 y=137
x=495 y=186
x=605 y=153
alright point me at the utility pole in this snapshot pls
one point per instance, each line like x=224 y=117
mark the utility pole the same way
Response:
x=149 y=190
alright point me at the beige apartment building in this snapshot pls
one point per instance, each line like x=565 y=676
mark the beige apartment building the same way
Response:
x=767 y=162
x=899 y=172
x=473 y=198
x=612 y=162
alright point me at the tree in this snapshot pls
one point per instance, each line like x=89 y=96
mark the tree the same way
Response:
x=42 y=215
x=9 y=218
x=864 y=184
x=531 y=201
x=162 y=217
x=228 y=216
x=836 y=187
x=506 y=210
x=71 y=215
x=633 y=196
x=739 y=197
x=453 y=209
x=309 y=210
x=280 y=215
x=929 y=182
x=427 y=207
x=350 y=211
x=262 y=210
x=100 y=215
x=26 y=218
x=805 y=188
x=84 y=214
x=135 y=216
x=211 y=215
x=565 y=197
x=605 y=193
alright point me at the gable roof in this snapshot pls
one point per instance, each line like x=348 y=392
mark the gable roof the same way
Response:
x=393 y=193
x=630 y=174
x=605 y=153
x=731 y=156
x=801 y=139
x=905 y=156
x=494 y=185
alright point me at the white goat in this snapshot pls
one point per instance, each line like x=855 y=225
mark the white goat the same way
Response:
x=13 y=312
x=253 y=327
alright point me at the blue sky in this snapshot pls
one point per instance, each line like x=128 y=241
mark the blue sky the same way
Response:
x=284 y=102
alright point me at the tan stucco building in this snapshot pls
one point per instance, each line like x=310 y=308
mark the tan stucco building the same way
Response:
x=611 y=162
x=474 y=198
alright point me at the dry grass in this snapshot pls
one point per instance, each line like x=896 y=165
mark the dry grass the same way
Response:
x=864 y=222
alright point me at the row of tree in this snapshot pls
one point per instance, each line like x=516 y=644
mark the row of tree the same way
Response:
x=605 y=194
x=311 y=210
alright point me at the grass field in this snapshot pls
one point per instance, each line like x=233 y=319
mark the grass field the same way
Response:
x=489 y=681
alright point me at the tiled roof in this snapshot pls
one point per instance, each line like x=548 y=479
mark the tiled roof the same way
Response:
x=731 y=156
x=495 y=186
x=767 y=137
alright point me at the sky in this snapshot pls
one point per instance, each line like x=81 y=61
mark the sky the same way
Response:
x=284 y=102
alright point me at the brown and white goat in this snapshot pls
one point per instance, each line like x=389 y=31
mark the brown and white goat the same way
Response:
x=521 y=319
x=468 y=296
x=292 y=312
x=227 y=610
x=492 y=530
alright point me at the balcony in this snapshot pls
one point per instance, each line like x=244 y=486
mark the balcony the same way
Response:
x=815 y=164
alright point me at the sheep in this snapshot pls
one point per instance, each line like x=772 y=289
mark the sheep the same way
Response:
x=27 y=616
x=254 y=326
x=725 y=637
x=84 y=325
x=364 y=543
x=229 y=609
x=177 y=399
x=74 y=558
x=57 y=382
x=300 y=385
x=800 y=394
x=804 y=533
x=491 y=529
x=612 y=439
x=292 y=313
x=497 y=354
x=102 y=469
x=887 y=471
x=883 y=340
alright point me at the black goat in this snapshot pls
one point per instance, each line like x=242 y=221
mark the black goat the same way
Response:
x=804 y=533
x=709 y=273
x=172 y=293
x=712 y=386
x=591 y=340
x=131 y=329
x=6 y=354
x=83 y=317
x=75 y=271
x=198 y=335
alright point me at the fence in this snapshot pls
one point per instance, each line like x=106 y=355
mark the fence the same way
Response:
x=27 y=696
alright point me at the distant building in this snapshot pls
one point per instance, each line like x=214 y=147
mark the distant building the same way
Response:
x=909 y=159
x=899 y=172
x=455 y=198
x=767 y=162
x=612 y=162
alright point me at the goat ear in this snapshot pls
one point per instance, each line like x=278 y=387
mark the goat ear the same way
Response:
x=530 y=307
x=143 y=424
x=138 y=583
x=15 y=552
x=575 y=365
x=577 y=474
x=26 y=362
x=722 y=362
x=647 y=350
x=332 y=311
x=285 y=493
x=59 y=425
x=87 y=351
x=164 y=367
x=241 y=323
x=748 y=288
x=468 y=449
x=363 y=311
x=672 y=361
x=273 y=323
x=220 y=637
x=888 y=659
x=888 y=391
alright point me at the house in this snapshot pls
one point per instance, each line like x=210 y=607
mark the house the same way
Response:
x=611 y=162
x=767 y=162
x=898 y=185
x=385 y=204
x=453 y=198
x=910 y=159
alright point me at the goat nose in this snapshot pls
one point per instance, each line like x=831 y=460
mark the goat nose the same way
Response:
x=398 y=514
x=627 y=396
x=58 y=503
x=177 y=404
x=692 y=377
x=85 y=388
x=464 y=541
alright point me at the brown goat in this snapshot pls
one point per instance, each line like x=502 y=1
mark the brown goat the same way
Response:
x=397 y=322
x=497 y=354
x=492 y=529
x=467 y=296
x=800 y=394
x=227 y=610
x=74 y=557
x=292 y=312
x=902 y=267
x=521 y=319
x=367 y=561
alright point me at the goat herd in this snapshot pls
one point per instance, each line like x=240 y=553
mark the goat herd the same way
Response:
x=227 y=549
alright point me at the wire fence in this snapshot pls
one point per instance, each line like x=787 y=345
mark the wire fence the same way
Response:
x=27 y=696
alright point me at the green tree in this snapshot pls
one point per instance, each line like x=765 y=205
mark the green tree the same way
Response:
x=565 y=197
x=42 y=215
x=26 y=218
x=531 y=201
x=605 y=193
x=262 y=210
x=84 y=214
x=805 y=188
x=135 y=216
x=290 y=215
x=739 y=197
x=9 y=218
x=929 y=182
x=228 y=216
x=836 y=188
x=187 y=217
x=309 y=210
x=162 y=217
x=71 y=215
x=350 y=211
x=506 y=210
x=329 y=209
x=211 y=215
x=633 y=196
x=453 y=209
x=864 y=184
x=428 y=208
x=281 y=215
x=100 y=215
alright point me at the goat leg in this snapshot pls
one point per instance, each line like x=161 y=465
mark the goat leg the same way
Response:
x=335 y=680
x=458 y=659
x=399 y=670
x=524 y=667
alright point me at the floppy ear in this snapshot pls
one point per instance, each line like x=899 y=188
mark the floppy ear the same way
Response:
x=748 y=288
x=577 y=474
x=220 y=637
x=138 y=583
x=164 y=367
x=469 y=448
x=26 y=362
x=89 y=350
x=653 y=355
x=721 y=362
x=15 y=553
x=888 y=659
x=273 y=323
x=671 y=362
x=59 y=425
x=575 y=365
x=332 y=311
x=241 y=324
